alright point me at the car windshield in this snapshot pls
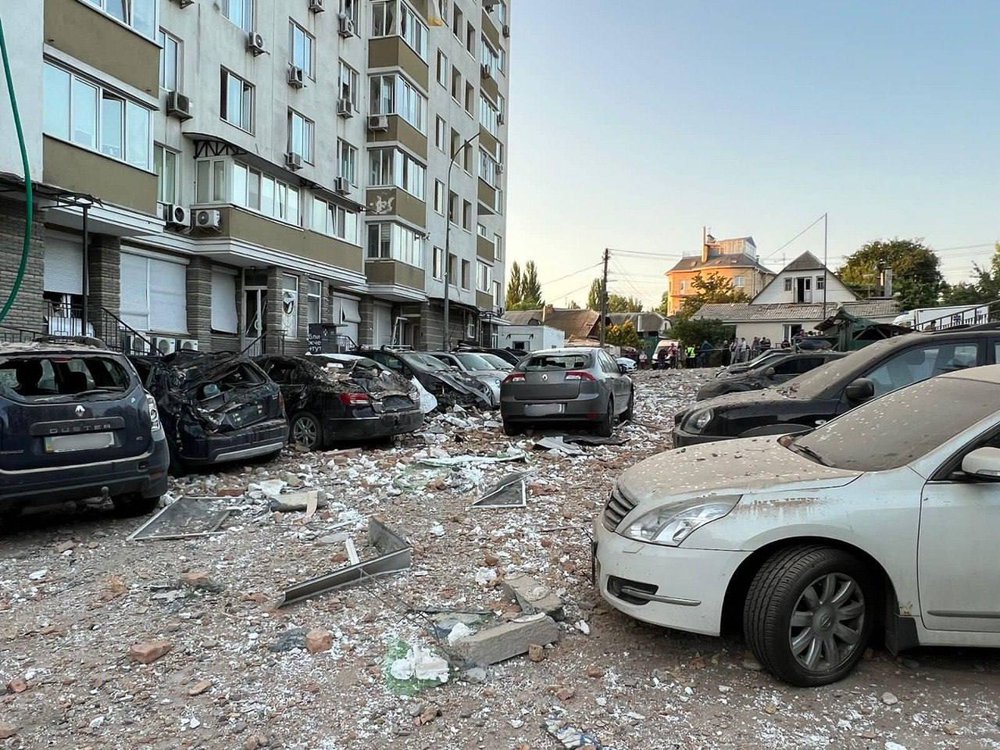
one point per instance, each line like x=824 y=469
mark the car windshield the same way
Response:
x=474 y=361
x=568 y=361
x=497 y=362
x=56 y=376
x=904 y=425
x=422 y=361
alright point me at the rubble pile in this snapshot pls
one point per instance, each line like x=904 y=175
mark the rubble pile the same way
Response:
x=488 y=634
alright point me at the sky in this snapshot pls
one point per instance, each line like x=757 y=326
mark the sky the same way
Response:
x=635 y=123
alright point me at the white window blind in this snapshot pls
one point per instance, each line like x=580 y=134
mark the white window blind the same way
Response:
x=224 y=317
x=63 y=266
x=153 y=294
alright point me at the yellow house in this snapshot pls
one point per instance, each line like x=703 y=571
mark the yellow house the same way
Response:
x=734 y=259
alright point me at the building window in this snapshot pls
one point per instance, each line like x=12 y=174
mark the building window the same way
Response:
x=683 y=287
x=290 y=305
x=487 y=167
x=470 y=38
x=82 y=112
x=349 y=84
x=394 y=95
x=392 y=167
x=481 y=231
x=153 y=294
x=438 y=268
x=738 y=282
x=788 y=284
x=489 y=115
x=488 y=57
x=452 y=269
x=383 y=19
x=211 y=181
x=439 y=133
x=262 y=193
x=497 y=294
x=350 y=9
x=300 y=136
x=501 y=9
x=502 y=59
x=167 y=177
x=466 y=275
x=470 y=97
x=456 y=85
x=453 y=208
x=138 y=14
x=413 y=30
x=457 y=22
x=347 y=161
x=237 y=101
x=389 y=241
x=484 y=281
x=498 y=247
x=334 y=221
x=498 y=202
x=224 y=316
x=314 y=301
x=439 y=196
x=302 y=47
x=442 y=68
x=467 y=216
x=240 y=12
x=170 y=61
x=456 y=141
x=820 y=282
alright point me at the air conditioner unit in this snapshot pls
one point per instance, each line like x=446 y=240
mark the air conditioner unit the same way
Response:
x=506 y=31
x=163 y=345
x=346 y=25
x=345 y=108
x=177 y=216
x=499 y=168
x=378 y=123
x=207 y=218
x=296 y=77
x=293 y=161
x=316 y=6
x=187 y=345
x=255 y=43
x=178 y=105
x=342 y=185
x=489 y=5
x=134 y=345
x=499 y=118
x=184 y=3
x=485 y=69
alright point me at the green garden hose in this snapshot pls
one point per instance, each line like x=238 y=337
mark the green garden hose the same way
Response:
x=29 y=193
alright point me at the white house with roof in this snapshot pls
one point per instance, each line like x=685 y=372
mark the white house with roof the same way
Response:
x=794 y=301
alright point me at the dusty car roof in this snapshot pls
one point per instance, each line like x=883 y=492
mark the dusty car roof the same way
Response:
x=984 y=374
x=53 y=347
x=567 y=350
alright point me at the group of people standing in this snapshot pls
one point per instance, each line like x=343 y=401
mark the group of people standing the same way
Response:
x=740 y=350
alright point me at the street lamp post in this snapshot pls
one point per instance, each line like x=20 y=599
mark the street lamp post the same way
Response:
x=447 y=246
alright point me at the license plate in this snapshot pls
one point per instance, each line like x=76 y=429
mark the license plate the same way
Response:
x=87 y=442
x=543 y=410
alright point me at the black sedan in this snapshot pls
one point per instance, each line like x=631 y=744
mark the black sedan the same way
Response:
x=818 y=396
x=448 y=386
x=767 y=374
x=339 y=398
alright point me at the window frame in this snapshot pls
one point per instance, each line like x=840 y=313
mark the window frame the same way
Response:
x=160 y=153
x=247 y=12
x=130 y=14
x=308 y=136
x=247 y=107
x=164 y=38
x=310 y=67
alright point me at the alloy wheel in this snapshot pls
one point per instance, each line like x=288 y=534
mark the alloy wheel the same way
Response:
x=827 y=622
x=305 y=431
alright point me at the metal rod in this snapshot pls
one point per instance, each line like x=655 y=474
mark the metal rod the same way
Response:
x=824 y=264
x=86 y=269
x=604 y=299
x=447 y=246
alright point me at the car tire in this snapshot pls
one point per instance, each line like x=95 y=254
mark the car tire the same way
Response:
x=606 y=427
x=629 y=412
x=510 y=429
x=127 y=506
x=804 y=604
x=306 y=430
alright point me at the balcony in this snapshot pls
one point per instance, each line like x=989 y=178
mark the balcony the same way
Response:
x=393 y=52
x=402 y=132
x=405 y=280
x=84 y=171
x=487 y=197
x=390 y=202
x=485 y=250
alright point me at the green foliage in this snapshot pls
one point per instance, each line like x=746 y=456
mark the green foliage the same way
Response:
x=523 y=290
x=574 y=305
x=985 y=286
x=514 y=286
x=594 y=296
x=691 y=332
x=624 y=335
x=917 y=279
x=617 y=303
x=664 y=308
x=710 y=289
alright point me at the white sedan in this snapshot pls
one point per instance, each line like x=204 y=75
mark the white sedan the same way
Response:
x=628 y=364
x=887 y=517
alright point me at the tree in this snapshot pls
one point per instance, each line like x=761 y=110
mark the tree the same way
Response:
x=624 y=336
x=915 y=270
x=531 y=290
x=617 y=303
x=664 y=308
x=574 y=305
x=594 y=296
x=514 y=286
x=710 y=289
x=985 y=286
x=691 y=331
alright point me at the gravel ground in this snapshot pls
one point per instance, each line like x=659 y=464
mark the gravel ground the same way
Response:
x=76 y=595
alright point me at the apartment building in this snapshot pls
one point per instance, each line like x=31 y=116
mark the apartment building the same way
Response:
x=734 y=259
x=222 y=174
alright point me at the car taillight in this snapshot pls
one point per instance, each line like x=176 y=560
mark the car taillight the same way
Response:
x=354 y=399
x=578 y=375
x=515 y=377
x=154 y=414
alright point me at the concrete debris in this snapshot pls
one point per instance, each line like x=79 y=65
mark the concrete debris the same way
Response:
x=513 y=454
x=149 y=651
x=318 y=640
x=532 y=596
x=458 y=632
x=505 y=641
x=570 y=736
x=187 y=518
x=509 y=492
x=199 y=687
x=558 y=445
x=8 y=730
x=290 y=640
x=413 y=667
x=308 y=501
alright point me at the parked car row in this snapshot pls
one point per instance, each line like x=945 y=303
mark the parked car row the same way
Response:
x=860 y=498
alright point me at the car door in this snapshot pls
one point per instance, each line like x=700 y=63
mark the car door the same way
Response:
x=958 y=553
x=617 y=382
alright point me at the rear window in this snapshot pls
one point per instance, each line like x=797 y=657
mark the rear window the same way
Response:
x=55 y=376
x=539 y=362
x=474 y=361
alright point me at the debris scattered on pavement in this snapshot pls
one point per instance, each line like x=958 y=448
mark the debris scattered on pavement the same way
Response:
x=557 y=444
x=186 y=518
x=505 y=641
x=570 y=736
x=411 y=668
x=509 y=492
x=532 y=596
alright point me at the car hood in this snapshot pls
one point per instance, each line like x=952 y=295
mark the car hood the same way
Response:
x=733 y=467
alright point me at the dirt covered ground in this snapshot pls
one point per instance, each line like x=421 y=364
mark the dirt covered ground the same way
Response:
x=81 y=607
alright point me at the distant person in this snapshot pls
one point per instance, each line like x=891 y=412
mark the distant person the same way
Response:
x=704 y=353
x=689 y=358
x=755 y=347
x=786 y=344
x=643 y=360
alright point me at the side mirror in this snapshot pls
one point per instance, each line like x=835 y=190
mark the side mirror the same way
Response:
x=622 y=369
x=769 y=372
x=983 y=463
x=860 y=390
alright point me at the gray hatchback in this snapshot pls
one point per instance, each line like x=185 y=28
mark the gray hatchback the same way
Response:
x=566 y=385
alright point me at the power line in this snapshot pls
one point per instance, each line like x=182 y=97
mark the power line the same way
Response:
x=588 y=268
x=775 y=252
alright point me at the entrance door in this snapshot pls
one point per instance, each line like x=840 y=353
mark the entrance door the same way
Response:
x=254 y=319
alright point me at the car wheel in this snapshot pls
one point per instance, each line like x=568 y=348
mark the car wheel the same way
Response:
x=511 y=429
x=629 y=412
x=127 y=506
x=306 y=431
x=606 y=427
x=809 y=614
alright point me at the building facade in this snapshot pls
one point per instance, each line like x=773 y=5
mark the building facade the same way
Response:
x=220 y=174
x=734 y=259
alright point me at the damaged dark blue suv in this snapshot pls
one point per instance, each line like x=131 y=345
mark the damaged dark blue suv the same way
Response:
x=75 y=423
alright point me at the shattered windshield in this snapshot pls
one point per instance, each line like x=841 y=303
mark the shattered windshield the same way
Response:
x=54 y=376
x=904 y=425
x=474 y=361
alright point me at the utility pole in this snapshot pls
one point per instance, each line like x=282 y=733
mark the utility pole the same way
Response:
x=604 y=299
x=447 y=243
x=824 y=264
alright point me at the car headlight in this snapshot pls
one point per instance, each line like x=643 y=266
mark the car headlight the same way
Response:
x=671 y=525
x=698 y=420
